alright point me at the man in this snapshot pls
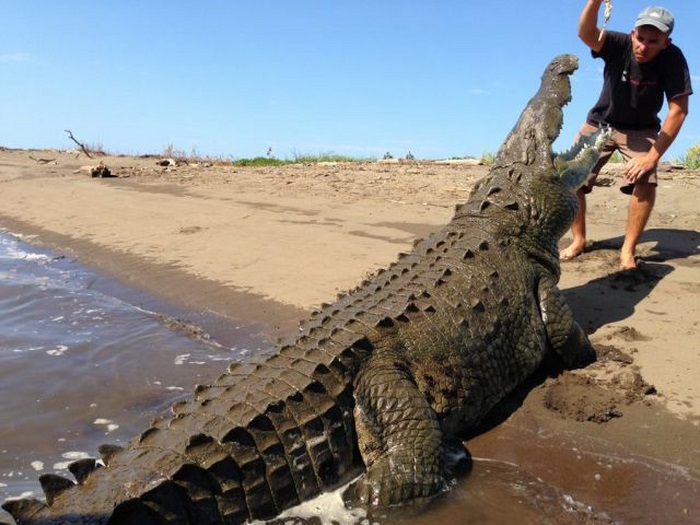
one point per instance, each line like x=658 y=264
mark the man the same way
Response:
x=641 y=69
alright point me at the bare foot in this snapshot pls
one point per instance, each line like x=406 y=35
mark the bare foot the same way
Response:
x=627 y=261
x=570 y=252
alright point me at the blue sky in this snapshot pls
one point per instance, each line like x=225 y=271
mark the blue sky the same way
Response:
x=232 y=78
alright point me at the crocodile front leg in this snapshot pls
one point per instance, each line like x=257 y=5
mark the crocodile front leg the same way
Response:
x=565 y=335
x=399 y=437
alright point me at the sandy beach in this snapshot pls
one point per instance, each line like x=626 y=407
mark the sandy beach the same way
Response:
x=269 y=244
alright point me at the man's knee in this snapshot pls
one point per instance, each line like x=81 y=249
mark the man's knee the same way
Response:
x=644 y=191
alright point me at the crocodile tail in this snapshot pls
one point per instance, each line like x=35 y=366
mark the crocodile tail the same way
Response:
x=258 y=440
x=283 y=455
x=24 y=510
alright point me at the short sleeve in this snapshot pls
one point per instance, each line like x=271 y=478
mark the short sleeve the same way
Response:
x=677 y=80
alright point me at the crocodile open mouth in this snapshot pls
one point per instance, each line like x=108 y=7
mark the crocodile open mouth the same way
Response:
x=574 y=164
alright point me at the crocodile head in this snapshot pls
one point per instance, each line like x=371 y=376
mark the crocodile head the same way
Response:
x=530 y=189
x=530 y=141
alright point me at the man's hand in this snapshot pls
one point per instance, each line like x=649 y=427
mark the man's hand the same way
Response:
x=677 y=112
x=606 y=17
x=638 y=166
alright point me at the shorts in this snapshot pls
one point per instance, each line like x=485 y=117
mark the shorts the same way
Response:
x=630 y=143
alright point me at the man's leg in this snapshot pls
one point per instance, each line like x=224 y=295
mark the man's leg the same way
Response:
x=578 y=230
x=643 y=193
x=641 y=204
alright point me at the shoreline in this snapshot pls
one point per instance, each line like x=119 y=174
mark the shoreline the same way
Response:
x=166 y=289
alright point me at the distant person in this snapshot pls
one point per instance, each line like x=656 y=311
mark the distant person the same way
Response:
x=641 y=69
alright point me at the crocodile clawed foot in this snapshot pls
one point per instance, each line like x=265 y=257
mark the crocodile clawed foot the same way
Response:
x=577 y=351
x=381 y=488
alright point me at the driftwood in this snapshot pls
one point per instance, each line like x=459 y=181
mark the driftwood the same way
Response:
x=42 y=160
x=82 y=146
x=100 y=170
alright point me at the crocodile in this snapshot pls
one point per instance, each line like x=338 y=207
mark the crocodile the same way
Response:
x=377 y=388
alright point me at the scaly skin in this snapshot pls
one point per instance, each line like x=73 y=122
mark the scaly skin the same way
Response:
x=381 y=381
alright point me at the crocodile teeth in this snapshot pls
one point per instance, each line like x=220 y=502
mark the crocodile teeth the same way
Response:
x=575 y=164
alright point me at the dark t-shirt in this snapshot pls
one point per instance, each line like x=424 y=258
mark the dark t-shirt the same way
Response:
x=633 y=93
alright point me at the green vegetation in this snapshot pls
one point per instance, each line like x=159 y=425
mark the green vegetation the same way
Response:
x=260 y=161
x=297 y=158
x=329 y=157
x=616 y=158
x=691 y=159
x=488 y=158
x=269 y=159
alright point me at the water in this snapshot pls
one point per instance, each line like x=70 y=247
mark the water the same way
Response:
x=79 y=367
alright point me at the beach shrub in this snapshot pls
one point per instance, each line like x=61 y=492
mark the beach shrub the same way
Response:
x=488 y=159
x=328 y=156
x=299 y=159
x=260 y=161
x=691 y=159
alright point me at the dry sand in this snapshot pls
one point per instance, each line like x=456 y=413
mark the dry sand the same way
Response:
x=267 y=245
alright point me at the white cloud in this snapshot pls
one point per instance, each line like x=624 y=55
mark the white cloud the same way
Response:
x=477 y=91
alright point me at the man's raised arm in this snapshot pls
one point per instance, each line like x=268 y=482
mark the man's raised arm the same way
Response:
x=588 y=29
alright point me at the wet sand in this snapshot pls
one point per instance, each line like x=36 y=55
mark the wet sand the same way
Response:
x=266 y=245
